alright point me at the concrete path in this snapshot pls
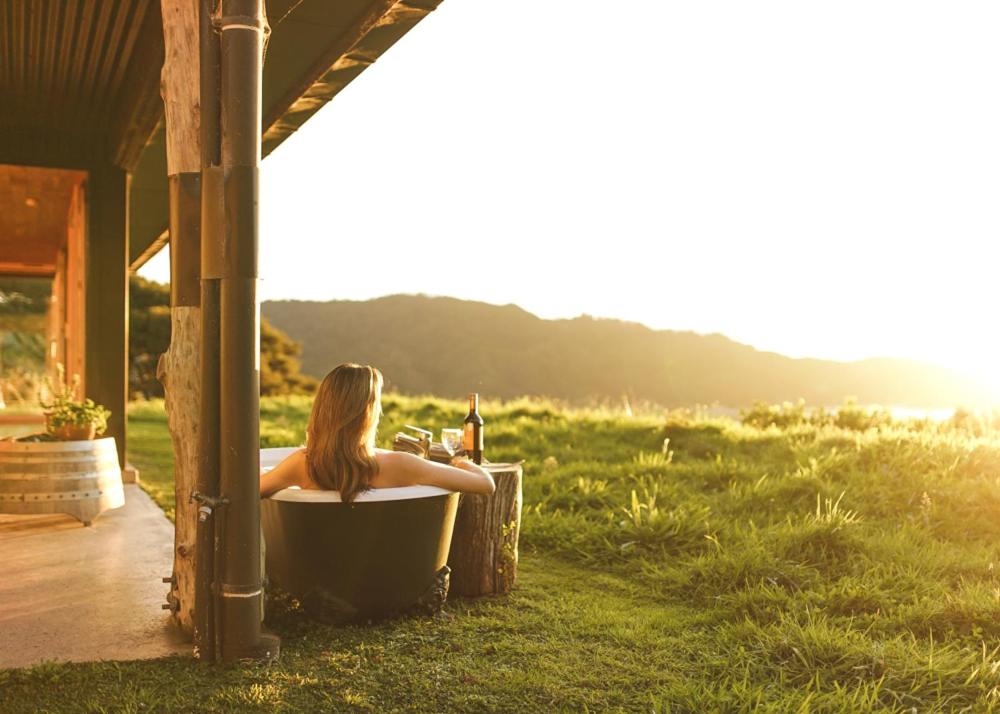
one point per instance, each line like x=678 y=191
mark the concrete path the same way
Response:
x=69 y=593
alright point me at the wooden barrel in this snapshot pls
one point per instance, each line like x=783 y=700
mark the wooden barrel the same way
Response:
x=79 y=478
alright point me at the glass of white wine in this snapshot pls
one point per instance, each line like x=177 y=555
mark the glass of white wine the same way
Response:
x=451 y=439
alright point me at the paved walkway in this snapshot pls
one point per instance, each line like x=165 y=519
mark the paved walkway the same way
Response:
x=70 y=593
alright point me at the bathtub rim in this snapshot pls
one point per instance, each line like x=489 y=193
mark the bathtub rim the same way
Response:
x=294 y=494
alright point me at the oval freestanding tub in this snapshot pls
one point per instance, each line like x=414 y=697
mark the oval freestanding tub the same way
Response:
x=381 y=555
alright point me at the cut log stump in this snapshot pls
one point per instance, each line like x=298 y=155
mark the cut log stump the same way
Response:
x=483 y=557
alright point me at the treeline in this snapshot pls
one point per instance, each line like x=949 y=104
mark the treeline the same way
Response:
x=854 y=417
x=149 y=337
x=449 y=347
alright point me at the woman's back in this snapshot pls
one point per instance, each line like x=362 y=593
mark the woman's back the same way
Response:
x=395 y=469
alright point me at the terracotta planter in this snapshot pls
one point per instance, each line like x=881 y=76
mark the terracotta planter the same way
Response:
x=74 y=432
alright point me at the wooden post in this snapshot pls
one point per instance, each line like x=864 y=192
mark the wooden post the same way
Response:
x=483 y=557
x=76 y=301
x=180 y=367
x=105 y=378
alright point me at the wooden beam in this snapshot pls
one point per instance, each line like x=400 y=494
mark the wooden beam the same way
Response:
x=363 y=42
x=106 y=290
x=151 y=250
x=337 y=49
x=38 y=146
x=12 y=270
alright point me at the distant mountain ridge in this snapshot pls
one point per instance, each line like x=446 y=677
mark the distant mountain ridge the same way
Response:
x=449 y=347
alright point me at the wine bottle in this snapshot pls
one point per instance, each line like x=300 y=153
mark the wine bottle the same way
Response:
x=472 y=437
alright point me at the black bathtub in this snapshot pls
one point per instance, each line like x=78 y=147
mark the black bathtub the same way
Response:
x=383 y=554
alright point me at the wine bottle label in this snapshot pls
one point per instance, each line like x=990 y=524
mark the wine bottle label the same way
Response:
x=469 y=438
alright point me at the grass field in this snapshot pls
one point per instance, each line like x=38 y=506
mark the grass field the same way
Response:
x=668 y=563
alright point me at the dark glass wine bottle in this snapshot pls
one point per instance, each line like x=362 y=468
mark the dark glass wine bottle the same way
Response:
x=473 y=435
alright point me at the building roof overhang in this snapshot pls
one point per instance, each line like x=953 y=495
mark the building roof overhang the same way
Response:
x=80 y=81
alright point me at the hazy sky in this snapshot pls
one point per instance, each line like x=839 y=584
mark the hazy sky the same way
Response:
x=813 y=178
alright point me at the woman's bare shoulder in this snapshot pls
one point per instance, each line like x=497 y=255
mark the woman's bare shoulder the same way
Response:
x=393 y=459
x=296 y=459
x=292 y=471
x=395 y=468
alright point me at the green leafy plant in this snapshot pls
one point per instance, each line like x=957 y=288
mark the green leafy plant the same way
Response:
x=65 y=408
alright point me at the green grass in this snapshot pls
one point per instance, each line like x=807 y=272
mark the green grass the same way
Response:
x=151 y=452
x=668 y=563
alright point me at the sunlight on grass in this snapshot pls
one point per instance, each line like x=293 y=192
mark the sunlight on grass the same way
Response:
x=668 y=562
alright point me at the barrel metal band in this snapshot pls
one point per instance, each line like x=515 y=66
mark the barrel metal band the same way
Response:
x=57 y=496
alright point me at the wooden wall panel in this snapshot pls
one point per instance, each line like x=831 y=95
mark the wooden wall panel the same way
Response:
x=34 y=203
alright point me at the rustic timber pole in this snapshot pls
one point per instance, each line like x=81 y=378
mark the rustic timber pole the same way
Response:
x=232 y=258
x=179 y=369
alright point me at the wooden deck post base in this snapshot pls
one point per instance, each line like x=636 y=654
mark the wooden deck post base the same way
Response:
x=483 y=557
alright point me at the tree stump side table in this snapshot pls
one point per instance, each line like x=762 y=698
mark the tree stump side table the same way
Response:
x=483 y=557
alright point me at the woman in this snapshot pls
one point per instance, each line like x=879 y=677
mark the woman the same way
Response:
x=340 y=453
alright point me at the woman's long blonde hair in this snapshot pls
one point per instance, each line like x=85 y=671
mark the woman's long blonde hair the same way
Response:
x=340 y=439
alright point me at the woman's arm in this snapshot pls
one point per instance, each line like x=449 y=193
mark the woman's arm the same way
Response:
x=290 y=472
x=409 y=470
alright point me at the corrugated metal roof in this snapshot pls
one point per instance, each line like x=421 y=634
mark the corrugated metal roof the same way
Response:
x=68 y=70
x=79 y=82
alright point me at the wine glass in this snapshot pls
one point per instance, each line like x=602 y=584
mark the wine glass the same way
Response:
x=451 y=439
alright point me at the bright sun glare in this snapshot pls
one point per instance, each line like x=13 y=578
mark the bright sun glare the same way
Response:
x=811 y=179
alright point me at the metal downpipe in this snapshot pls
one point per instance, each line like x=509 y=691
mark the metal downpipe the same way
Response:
x=206 y=602
x=243 y=29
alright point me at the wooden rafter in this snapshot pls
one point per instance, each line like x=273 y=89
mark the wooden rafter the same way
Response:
x=372 y=33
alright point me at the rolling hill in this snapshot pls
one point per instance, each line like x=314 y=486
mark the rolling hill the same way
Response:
x=449 y=347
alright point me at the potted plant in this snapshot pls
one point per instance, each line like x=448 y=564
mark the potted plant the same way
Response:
x=68 y=418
